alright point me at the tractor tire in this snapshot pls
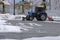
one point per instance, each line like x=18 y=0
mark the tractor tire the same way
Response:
x=42 y=17
x=38 y=18
x=29 y=18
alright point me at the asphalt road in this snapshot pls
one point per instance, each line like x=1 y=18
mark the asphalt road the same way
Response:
x=32 y=29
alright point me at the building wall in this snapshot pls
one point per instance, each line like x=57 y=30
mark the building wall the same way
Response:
x=55 y=4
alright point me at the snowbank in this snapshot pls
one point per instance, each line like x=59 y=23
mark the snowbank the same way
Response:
x=7 y=16
x=16 y=17
x=43 y=38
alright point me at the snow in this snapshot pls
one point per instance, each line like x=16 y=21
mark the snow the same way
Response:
x=5 y=16
x=2 y=22
x=8 y=28
x=16 y=17
x=43 y=38
x=55 y=14
x=56 y=17
x=6 y=3
x=8 y=16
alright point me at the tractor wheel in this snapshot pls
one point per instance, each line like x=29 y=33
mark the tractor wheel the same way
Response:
x=42 y=17
x=38 y=18
x=29 y=18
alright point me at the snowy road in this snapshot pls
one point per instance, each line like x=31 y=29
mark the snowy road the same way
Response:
x=32 y=29
x=11 y=27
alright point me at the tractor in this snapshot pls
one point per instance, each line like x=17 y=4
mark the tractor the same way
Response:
x=40 y=14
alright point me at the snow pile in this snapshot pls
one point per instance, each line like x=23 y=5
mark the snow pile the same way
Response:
x=7 y=16
x=43 y=38
x=16 y=17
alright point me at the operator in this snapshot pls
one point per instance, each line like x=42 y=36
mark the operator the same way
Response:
x=43 y=4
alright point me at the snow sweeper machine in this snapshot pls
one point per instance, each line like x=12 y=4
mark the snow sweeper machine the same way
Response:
x=40 y=14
